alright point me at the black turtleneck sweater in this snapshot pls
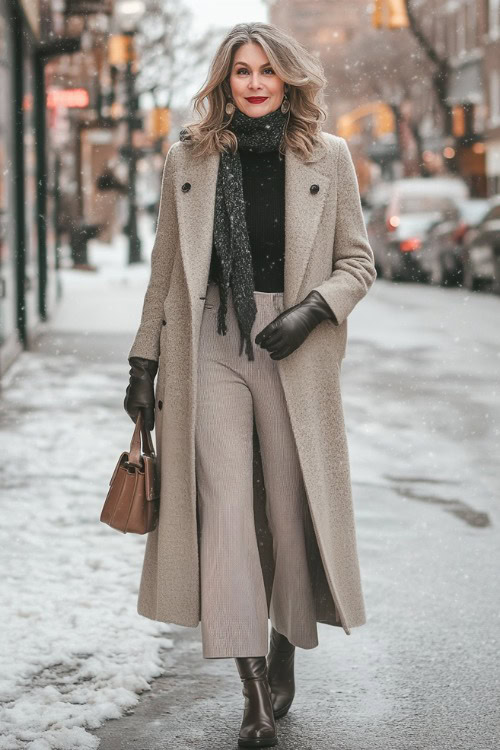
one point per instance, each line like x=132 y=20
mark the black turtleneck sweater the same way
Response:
x=264 y=193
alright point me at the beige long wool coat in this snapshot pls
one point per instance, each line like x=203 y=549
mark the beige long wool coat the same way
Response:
x=326 y=248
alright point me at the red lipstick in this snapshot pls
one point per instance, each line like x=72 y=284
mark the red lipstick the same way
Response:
x=257 y=99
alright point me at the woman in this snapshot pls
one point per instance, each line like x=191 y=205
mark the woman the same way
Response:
x=260 y=254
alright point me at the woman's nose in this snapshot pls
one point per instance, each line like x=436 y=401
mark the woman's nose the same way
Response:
x=255 y=82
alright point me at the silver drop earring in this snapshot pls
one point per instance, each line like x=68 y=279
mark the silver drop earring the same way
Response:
x=285 y=105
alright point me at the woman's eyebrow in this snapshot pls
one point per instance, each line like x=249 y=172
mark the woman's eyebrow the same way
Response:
x=244 y=63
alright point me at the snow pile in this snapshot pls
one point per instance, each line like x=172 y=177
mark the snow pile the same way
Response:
x=73 y=650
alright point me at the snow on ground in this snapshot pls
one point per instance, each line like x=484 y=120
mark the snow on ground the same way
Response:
x=422 y=402
x=73 y=652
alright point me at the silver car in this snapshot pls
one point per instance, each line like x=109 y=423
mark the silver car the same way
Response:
x=402 y=213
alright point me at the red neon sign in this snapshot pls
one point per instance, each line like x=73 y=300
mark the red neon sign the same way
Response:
x=67 y=98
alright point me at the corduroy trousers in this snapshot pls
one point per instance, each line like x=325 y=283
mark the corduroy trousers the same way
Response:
x=232 y=391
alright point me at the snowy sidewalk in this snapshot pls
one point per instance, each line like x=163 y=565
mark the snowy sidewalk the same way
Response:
x=74 y=652
x=422 y=407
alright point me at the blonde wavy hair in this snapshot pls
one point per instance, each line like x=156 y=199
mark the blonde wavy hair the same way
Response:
x=292 y=62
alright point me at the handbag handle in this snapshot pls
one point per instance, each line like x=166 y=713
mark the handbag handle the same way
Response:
x=134 y=456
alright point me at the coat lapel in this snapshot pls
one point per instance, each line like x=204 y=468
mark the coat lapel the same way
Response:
x=303 y=210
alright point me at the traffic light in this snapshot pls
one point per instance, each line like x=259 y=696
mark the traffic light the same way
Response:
x=121 y=49
x=347 y=126
x=390 y=14
x=160 y=122
x=354 y=123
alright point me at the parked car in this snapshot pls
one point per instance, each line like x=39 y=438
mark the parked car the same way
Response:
x=403 y=212
x=481 y=251
x=444 y=243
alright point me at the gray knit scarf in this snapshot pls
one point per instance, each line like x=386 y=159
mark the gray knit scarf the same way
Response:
x=230 y=234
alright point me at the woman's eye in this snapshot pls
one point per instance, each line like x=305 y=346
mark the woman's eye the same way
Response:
x=240 y=70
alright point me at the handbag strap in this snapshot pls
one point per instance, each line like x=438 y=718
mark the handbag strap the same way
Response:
x=134 y=456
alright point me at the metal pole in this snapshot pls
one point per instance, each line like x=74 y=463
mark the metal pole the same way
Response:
x=134 y=251
x=20 y=219
x=41 y=185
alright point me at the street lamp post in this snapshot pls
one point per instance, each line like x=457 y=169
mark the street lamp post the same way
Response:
x=128 y=13
x=134 y=247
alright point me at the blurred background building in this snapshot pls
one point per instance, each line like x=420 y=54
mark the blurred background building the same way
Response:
x=94 y=91
x=413 y=84
x=71 y=135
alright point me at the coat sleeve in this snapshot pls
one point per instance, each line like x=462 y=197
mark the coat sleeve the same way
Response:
x=353 y=261
x=147 y=340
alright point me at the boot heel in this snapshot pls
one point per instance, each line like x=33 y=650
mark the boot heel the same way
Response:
x=258 y=728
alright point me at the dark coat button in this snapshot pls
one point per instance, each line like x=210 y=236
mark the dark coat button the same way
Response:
x=164 y=322
x=160 y=405
x=314 y=188
x=186 y=187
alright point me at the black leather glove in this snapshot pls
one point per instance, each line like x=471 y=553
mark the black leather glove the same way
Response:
x=140 y=392
x=290 y=329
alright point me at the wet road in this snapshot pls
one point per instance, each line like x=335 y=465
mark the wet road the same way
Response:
x=421 y=390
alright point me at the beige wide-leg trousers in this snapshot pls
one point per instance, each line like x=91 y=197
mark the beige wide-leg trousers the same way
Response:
x=231 y=390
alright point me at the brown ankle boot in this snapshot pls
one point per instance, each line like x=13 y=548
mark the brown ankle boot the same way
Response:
x=258 y=728
x=280 y=669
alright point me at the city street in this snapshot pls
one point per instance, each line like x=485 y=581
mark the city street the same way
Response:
x=421 y=390
x=288 y=141
x=422 y=403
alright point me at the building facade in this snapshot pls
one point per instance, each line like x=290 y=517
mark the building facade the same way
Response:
x=456 y=128
x=49 y=53
x=21 y=272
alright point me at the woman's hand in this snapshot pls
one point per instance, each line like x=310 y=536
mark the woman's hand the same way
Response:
x=289 y=330
x=140 y=390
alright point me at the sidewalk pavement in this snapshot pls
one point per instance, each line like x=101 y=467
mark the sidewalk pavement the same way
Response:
x=74 y=652
x=420 y=390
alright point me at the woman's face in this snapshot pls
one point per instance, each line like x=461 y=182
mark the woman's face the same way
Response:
x=255 y=87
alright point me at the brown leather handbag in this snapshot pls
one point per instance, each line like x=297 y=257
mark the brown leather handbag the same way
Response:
x=132 y=502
